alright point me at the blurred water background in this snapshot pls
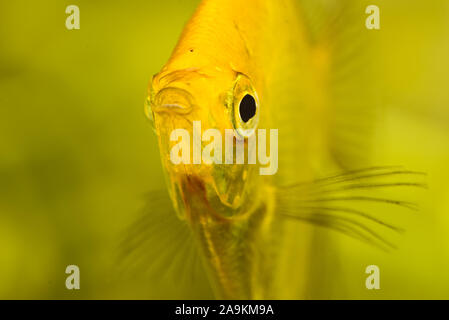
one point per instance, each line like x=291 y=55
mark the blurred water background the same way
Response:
x=77 y=154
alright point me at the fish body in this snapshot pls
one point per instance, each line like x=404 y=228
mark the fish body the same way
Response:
x=230 y=208
x=285 y=56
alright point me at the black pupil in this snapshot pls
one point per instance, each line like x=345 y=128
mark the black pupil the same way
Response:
x=247 y=108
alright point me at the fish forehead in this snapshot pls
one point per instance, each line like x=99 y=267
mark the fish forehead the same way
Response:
x=212 y=75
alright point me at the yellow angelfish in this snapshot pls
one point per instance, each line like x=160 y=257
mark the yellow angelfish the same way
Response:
x=305 y=68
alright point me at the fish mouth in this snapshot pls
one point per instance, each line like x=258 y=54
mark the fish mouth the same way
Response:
x=195 y=198
x=189 y=196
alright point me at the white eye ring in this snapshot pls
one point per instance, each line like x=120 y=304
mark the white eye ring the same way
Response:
x=245 y=107
x=246 y=123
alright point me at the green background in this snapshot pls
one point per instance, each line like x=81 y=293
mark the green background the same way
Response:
x=77 y=154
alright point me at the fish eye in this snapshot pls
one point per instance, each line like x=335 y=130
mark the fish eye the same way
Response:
x=244 y=106
x=247 y=108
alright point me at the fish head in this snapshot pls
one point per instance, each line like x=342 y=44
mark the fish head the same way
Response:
x=194 y=112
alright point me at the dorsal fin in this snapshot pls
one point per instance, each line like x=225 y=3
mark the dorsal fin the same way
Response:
x=322 y=93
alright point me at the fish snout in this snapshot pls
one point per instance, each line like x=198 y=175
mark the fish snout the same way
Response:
x=173 y=100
